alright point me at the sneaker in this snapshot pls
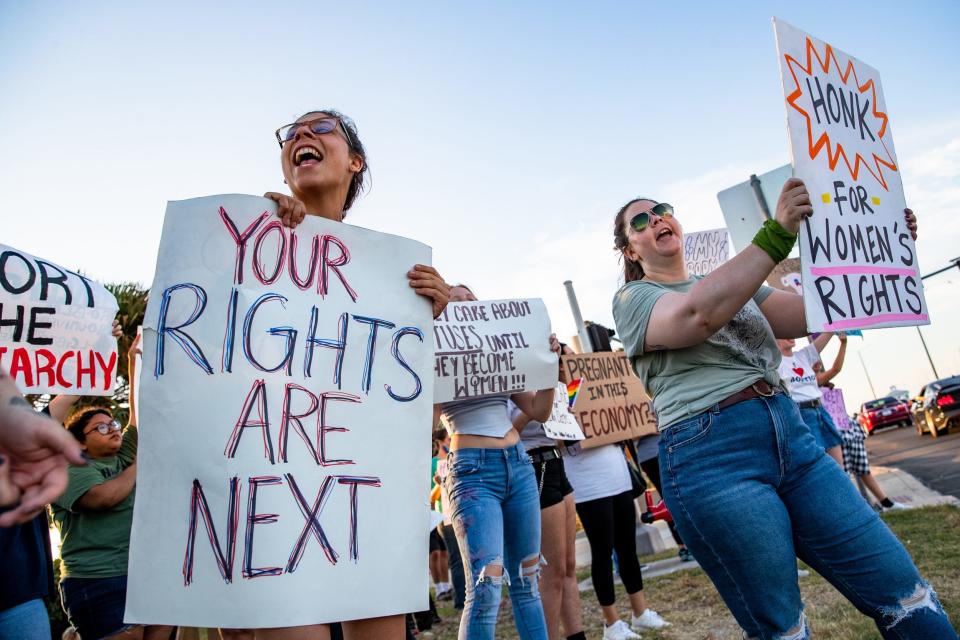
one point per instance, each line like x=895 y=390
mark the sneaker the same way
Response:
x=685 y=555
x=649 y=619
x=619 y=631
x=802 y=573
x=896 y=506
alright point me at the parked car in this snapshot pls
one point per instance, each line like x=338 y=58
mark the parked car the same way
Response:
x=937 y=407
x=884 y=412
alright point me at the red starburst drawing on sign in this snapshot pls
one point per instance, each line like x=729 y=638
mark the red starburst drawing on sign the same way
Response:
x=835 y=151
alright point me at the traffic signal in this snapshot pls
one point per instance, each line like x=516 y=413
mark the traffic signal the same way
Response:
x=599 y=336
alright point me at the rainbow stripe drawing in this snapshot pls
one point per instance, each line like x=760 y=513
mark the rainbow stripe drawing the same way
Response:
x=573 y=390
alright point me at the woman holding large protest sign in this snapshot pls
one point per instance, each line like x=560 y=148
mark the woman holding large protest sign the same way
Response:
x=325 y=165
x=495 y=506
x=748 y=486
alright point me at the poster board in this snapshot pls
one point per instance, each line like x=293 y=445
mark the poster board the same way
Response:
x=491 y=347
x=286 y=401
x=55 y=327
x=704 y=251
x=835 y=405
x=562 y=425
x=858 y=261
x=611 y=404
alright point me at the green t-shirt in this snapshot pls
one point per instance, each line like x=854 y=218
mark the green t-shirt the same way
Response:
x=95 y=544
x=685 y=382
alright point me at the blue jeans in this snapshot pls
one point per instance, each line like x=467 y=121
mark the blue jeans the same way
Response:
x=821 y=426
x=750 y=491
x=26 y=621
x=95 y=606
x=496 y=516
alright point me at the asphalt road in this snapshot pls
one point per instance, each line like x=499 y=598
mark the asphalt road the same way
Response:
x=935 y=462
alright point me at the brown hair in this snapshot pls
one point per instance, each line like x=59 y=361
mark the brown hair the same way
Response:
x=77 y=423
x=632 y=270
x=360 y=180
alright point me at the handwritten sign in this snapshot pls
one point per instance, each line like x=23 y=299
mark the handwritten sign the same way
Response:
x=55 y=327
x=835 y=405
x=611 y=404
x=704 y=251
x=285 y=399
x=858 y=261
x=492 y=347
x=562 y=425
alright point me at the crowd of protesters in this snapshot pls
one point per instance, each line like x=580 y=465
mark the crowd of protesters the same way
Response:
x=740 y=420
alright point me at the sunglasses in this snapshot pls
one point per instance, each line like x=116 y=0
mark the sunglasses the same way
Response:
x=641 y=221
x=319 y=126
x=104 y=428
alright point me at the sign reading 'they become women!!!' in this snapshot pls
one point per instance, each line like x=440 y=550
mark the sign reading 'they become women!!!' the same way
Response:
x=492 y=347
x=285 y=399
x=55 y=327
x=858 y=261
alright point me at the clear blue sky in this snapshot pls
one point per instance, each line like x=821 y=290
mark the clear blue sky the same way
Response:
x=505 y=135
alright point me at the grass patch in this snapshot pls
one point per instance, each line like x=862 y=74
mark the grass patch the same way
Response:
x=689 y=601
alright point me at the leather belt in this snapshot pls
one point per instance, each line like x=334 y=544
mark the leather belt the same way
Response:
x=758 y=389
x=809 y=404
x=543 y=454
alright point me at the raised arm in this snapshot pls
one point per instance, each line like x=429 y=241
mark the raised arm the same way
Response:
x=132 y=354
x=820 y=342
x=823 y=377
x=684 y=319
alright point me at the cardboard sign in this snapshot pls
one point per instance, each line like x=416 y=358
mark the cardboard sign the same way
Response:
x=562 y=425
x=611 y=404
x=285 y=401
x=55 y=327
x=492 y=347
x=835 y=405
x=704 y=251
x=858 y=261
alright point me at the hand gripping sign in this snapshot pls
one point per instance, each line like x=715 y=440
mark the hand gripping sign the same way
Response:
x=858 y=260
x=285 y=395
x=55 y=327
x=492 y=347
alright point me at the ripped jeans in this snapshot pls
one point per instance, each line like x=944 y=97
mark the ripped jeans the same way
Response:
x=750 y=491
x=496 y=516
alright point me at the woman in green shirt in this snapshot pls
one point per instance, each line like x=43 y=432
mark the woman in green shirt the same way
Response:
x=747 y=485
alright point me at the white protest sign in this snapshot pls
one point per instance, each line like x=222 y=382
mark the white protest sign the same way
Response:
x=491 y=347
x=285 y=399
x=55 y=327
x=562 y=425
x=858 y=262
x=704 y=251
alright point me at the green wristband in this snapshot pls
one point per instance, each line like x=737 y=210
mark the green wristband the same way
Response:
x=775 y=241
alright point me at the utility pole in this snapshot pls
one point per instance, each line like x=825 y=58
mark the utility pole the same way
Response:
x=953 y=263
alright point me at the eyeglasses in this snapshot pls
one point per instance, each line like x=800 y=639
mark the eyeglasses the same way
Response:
x=104 y=428
x=640 y=221
x=318 y=126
